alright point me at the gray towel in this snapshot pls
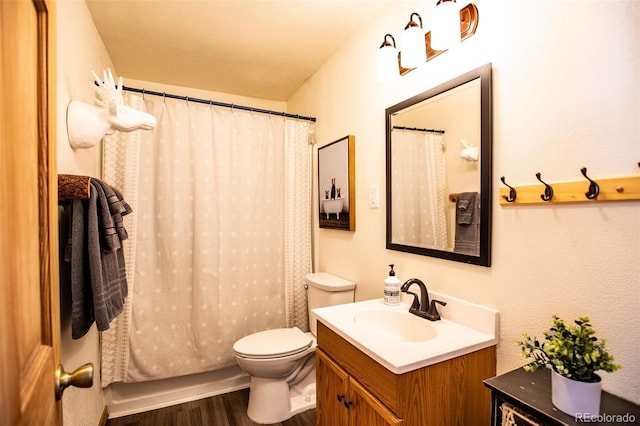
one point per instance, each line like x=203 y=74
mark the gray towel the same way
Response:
x=75 y=253
x=117 y=203
x=106 y=224
x=117 y=206
x=106 y=266
x=465 y=207
x=98 y=276
x=467 y=239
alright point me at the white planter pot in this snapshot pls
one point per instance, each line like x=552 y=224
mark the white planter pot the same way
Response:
x=573 y=397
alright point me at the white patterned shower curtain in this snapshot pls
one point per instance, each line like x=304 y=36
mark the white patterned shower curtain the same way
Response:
x=418 y=189
x=220 y=237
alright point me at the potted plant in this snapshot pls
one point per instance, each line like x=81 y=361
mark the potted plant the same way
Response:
x=574 y=354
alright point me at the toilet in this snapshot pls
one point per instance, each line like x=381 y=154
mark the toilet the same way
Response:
x=281 y=362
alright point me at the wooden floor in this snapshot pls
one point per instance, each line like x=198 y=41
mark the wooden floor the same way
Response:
x=229 y=409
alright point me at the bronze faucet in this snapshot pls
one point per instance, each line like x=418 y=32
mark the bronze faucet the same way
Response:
x=422 y=308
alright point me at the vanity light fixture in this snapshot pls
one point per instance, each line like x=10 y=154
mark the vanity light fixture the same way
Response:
x=413 y=53
x=418 y=47
x=387 y=60
x=445 y=32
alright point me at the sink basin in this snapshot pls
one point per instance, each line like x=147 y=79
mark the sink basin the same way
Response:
x=395 y=325
x=403 y=342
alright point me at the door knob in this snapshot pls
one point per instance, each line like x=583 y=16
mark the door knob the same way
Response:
x=82 y=377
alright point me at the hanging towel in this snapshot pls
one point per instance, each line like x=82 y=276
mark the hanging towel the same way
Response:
x=94 y=249
x=118 y=203
x=467 y=239
x=112 y=215
x=75 y=254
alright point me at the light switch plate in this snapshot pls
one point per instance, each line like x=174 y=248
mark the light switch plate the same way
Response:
x=374 y=201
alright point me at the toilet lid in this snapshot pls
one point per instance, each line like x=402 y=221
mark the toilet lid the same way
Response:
x=274 y=343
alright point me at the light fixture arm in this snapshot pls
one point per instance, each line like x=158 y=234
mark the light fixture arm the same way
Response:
x=386 y=43
x=413 y=23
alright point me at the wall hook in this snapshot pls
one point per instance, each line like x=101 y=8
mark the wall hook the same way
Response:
x=594 y=188
x=548 y=190
x=512 y=192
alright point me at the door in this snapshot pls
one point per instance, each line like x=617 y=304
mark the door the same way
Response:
x=366 y=410
x=29 y=296
x=332 y=388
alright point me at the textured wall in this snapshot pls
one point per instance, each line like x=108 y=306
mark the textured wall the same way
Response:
x=80 y=51
x=565 y=96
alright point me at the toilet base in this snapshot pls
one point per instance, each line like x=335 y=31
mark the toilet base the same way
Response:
x=274 y=401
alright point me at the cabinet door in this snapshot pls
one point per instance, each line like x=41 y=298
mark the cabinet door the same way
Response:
x=332 y=386
x=366 y=410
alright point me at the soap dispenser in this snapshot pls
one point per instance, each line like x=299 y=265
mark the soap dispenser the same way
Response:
x=392 y=288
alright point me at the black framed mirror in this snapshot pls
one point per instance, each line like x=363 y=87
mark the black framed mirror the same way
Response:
x=439 y=171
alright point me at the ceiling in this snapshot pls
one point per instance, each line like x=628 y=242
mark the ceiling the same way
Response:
x=258 y=48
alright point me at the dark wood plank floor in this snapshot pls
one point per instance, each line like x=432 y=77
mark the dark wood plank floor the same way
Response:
x=229 y=409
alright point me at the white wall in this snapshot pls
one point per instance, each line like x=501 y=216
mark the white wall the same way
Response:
x=565 y=96
x=80 y=50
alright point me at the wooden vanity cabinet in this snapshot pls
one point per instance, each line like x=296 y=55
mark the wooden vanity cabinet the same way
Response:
x=353 y=389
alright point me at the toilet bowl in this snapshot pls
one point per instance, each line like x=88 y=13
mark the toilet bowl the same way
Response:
x=281 y=362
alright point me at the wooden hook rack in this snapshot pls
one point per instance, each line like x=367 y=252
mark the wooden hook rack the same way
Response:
x=612 y=189
x=72 y=187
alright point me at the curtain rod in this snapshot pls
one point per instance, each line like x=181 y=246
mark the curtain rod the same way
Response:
x=220 y=104
x=418 y=129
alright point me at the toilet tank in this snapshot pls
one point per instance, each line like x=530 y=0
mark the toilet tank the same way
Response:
x=324 y=289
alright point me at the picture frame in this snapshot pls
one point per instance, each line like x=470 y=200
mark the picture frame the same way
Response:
x=336 y=184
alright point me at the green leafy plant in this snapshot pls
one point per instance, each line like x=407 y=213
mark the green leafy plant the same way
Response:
x=572 y=351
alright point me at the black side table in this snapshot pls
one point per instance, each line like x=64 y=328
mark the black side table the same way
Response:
x=530 y=393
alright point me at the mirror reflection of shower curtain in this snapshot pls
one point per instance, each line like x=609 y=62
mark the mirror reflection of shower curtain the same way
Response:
x=222 y=236
x=418 y=189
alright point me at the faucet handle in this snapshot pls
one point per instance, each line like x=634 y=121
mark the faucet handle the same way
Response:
x=432 y=313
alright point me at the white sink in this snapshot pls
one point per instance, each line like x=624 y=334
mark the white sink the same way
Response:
x=399 y=326
x=403 y=342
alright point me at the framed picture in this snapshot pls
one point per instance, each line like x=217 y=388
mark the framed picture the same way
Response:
x=336 y=184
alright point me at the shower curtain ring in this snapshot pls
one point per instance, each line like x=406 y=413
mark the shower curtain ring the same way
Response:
x=594 y=188
x=548 y=190
x=512 y=192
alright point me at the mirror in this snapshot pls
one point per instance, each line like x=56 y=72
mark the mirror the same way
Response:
x=439 y=171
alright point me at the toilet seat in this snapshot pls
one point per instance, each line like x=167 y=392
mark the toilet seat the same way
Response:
x=276 y=343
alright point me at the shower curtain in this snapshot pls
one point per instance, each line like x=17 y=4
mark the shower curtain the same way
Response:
x=220 y=237
x=418 y=191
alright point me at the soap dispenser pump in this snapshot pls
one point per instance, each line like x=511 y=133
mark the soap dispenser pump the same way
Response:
x=392 y=288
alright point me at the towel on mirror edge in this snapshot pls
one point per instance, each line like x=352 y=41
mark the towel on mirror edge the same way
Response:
x=467 y=238
x=98 y=275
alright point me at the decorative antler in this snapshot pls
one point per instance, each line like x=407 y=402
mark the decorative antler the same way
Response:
x=108 y=94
